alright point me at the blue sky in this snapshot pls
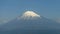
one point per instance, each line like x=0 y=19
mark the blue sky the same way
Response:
x=10 y=9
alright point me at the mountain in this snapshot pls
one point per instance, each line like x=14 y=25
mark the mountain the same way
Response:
x=29 y=15
x=28 y=23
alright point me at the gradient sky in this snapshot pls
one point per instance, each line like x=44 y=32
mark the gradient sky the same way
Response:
x=10 y=9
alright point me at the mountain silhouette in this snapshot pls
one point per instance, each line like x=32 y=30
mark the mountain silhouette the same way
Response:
x=30 y=23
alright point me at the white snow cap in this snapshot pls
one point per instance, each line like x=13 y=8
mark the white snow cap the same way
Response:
x=29 y=14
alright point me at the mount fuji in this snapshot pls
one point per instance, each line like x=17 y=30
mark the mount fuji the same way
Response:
x=30 y=23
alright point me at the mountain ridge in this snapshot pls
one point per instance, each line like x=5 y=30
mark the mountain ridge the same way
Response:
x=40 y=23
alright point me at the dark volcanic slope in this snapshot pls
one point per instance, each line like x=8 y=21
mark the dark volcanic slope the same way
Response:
x=28 y=25
x=35 y=24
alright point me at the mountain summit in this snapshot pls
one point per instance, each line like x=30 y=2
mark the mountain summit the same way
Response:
x=29 y=15
x=30 y=23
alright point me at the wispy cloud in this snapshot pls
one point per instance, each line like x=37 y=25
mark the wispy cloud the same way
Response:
x=3 y=21
x=57 y=20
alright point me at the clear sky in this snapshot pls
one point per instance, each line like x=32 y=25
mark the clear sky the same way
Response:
x=9 y=9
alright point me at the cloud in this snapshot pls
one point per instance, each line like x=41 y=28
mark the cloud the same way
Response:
x=57 y=20
x=3 y=21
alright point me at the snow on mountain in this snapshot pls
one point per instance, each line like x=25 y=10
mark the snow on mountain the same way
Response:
x=29 y=15
x=38 y=22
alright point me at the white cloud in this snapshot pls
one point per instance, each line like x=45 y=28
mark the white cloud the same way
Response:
x=57 y=20
x=3 y=21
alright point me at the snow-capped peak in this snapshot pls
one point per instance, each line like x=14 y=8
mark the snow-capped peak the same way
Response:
x=29 y=15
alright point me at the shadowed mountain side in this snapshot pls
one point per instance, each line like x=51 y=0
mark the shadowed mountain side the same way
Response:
x=30 y=24
x=38 y=24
